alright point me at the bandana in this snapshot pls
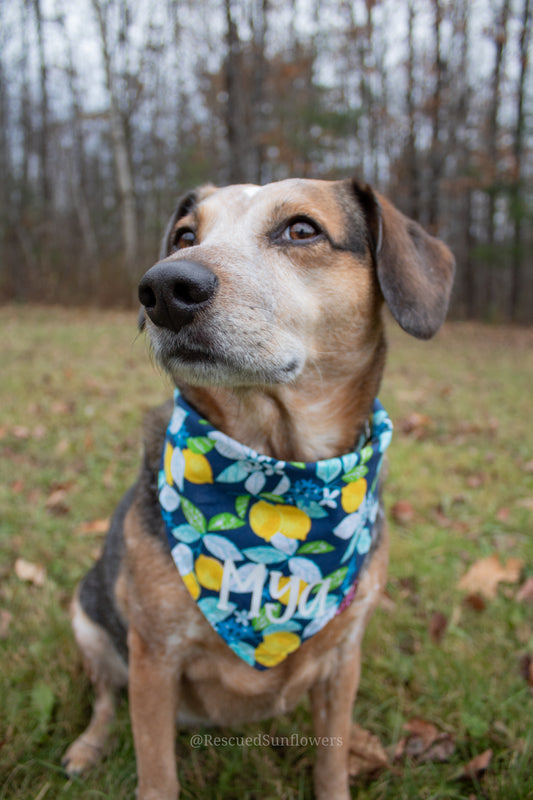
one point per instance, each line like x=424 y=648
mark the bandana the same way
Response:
x=269 y=550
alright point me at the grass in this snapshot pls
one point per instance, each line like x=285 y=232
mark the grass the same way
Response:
x=74 y=387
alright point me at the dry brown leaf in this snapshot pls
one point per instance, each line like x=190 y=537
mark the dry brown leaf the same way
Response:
x=57 y=502
x=29 y=572
x=437 y=626
x=415 y=424
x=525 y=593
x=503 y=514
x=366 y=752
x=477 y=766
x=525 y=502
x=528 y=466
x=476 y=602
x=423 y=730
x=440 y=751
x=526 y=669
x=402 y=512
x=94 y=526
x=484 y=575
x=6 y=618
x=424 y=743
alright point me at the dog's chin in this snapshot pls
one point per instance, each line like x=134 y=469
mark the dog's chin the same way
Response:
x=207 y=367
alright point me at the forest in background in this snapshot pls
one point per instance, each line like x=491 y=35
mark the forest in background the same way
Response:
x=110 y=109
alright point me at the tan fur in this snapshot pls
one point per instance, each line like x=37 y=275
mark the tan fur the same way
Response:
x=297 y=350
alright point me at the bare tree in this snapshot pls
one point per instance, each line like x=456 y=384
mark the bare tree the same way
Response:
x=517 y=277
x=44 y=134
x=119 y=138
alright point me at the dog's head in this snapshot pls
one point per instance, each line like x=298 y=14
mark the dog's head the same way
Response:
x=256 y=285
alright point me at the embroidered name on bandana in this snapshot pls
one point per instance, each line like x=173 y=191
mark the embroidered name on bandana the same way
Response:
x=269 y=550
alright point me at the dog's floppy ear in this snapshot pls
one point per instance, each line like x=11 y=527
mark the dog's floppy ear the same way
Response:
x=414 y=270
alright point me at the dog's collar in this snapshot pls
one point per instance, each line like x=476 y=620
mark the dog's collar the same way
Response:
x=269 y=550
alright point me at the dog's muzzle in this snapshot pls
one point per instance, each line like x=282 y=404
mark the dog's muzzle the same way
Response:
x=173 y=292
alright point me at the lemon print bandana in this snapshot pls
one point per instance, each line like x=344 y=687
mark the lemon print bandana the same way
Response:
x=269 y=550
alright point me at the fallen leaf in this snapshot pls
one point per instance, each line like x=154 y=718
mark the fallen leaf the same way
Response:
x=475 y=481
x=525 y=502
x=57 y=502
x=29 y=572
x=422 y=730
x=503 y=514
x=366 y=752
x=477 y=766
x=476 y=602
x=526 y=669
x=525 y=593
x=39 y=432
x=437 y=626
x=528 y=466
x=484 y=575
x=6 y=617
x=20 y=432
x=94 y=526
x=402 y=512
x=415 y=424
x=424 y=743
x=440 y=751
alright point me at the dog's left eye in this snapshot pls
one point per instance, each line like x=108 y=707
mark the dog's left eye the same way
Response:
x=301 y=230
x=183 y=238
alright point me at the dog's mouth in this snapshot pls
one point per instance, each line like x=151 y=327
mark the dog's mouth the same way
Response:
x=213 y=360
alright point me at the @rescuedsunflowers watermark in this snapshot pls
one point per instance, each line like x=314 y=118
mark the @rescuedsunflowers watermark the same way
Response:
x=264 y=740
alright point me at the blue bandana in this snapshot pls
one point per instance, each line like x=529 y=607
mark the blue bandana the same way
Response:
x=269 y=550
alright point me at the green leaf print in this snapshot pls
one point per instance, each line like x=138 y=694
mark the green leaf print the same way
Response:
x=200 y=444
x=193 y=515
x=337 y=577
x=274 y=498
x=261 y=622
x=241 y=505
x=355 y=474
x=315 y=547
x=224 y=522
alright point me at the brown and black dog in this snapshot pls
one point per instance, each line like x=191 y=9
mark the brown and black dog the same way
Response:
x=266 y=309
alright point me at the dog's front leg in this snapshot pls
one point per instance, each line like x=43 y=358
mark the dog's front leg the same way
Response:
x=331 y=705
x=153 y=694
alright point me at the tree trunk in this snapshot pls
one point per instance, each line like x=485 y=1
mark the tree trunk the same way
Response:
x=518 y=148
x=44 y=134
x=235 y=111
x=435 y=158
x=412 y=174
x=500 y=39
x=121 y=154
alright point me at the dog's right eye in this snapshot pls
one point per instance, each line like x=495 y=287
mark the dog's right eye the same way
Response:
x=183 y=237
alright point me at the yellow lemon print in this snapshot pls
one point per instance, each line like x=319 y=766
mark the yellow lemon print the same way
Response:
x=168 y=457
x=209 y=572
x=294 y=522
x=265 y=519
x=197 y=467
x=352 y=495
x=192 y=585
x=275 y=647
x=283 y=581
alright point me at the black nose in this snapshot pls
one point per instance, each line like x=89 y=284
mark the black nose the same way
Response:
x=172 y=292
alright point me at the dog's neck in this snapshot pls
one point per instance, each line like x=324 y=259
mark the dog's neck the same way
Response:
x=312 y=419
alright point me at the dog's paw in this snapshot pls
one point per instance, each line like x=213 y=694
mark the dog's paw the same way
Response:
x=80 y=756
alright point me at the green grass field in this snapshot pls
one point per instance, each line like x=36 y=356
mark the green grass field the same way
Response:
x=74 y=385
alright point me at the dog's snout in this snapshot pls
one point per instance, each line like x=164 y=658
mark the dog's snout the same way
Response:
x=172 y=292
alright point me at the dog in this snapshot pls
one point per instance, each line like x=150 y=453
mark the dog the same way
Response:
x=266 y=308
